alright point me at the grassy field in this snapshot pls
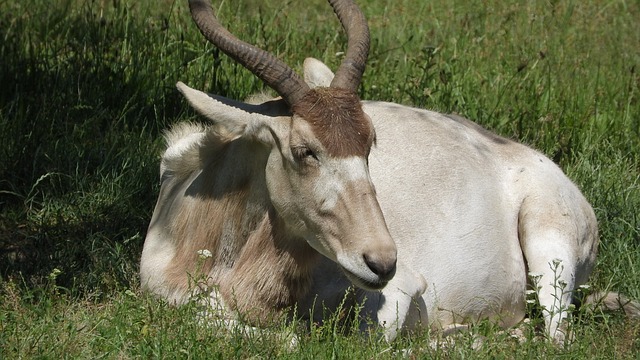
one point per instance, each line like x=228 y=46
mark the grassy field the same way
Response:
x=87 y=87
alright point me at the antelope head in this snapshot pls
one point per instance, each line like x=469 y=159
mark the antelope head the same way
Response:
x=318 y=141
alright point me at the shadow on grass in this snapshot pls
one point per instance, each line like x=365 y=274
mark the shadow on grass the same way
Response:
x=80 y=120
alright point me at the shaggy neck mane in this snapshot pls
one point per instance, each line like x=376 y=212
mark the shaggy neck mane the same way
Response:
x=337 y=120
x=259 y=269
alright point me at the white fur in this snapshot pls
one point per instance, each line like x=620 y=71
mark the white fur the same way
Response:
x=330 y=187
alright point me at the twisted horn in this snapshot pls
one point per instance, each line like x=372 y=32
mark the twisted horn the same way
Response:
x=275 y=73
x=350 y=72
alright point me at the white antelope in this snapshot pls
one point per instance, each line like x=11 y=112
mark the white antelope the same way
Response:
x=436 y=221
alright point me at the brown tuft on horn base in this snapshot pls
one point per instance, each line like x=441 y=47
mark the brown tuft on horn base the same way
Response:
x=337 y=119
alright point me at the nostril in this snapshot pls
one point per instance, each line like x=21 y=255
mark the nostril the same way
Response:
x=384 y=269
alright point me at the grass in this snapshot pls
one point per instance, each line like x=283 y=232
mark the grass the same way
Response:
x=88 y=87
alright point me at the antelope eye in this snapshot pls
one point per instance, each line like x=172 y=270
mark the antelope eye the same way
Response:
x=303 y=153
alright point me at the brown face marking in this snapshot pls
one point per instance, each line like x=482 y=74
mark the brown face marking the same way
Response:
x=337 y=119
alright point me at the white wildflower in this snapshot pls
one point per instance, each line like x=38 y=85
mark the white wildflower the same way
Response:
x=535 y=275
x=53 y=275
x=204 y=254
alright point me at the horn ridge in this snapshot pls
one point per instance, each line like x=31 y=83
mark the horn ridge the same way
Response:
x=275 y=73
x=349 y=74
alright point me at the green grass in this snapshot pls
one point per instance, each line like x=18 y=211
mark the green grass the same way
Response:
x=88 y=87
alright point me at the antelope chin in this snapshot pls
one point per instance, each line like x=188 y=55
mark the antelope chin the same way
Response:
x=357 y=272
x=366 y=284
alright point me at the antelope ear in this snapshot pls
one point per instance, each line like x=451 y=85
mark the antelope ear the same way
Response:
x=316 y=73
x=236 y=118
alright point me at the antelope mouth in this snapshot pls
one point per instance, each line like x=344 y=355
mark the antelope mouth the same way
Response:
x=366 y=284
x=366 y=272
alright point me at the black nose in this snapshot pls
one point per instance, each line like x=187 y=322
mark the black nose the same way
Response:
x=384 y=269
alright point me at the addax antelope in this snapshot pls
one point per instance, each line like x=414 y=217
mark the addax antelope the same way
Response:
x=436 y=221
